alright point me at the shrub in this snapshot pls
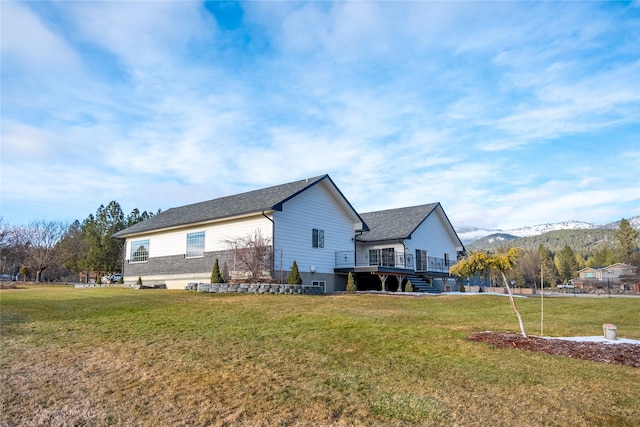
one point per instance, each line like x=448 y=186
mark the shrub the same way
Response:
x=24 y=270
x=408 y=287
x=294 y=276
x=461 y=288
x=139 y=281
x=225 y=273
x=121 y=280
x=351 y=284
x=216 y=277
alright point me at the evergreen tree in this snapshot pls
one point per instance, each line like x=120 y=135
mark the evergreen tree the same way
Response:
x=566 y=263
x=601 y=258
x=225 y=273
x=351 y=284
x=103 y=252
x=73 y=247
x=627 y=238
x=408 y=287
x=139 y=281
x=216 y=277
x=294 y=276
x=547 y=267
x=135 y=217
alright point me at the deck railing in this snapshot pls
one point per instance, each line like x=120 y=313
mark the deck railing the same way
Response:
x=346 y=259
x=439 y=265
x=379 y=258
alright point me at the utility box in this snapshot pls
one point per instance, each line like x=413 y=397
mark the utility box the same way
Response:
x=610 y=331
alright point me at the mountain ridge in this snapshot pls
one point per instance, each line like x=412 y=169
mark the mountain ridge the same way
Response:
x=473 y=236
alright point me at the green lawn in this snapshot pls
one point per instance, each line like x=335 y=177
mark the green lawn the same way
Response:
x=112 y=356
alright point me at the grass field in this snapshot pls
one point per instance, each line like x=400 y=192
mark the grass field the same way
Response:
x=113 y=356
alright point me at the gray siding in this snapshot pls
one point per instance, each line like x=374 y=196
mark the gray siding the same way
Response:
x=175 y=264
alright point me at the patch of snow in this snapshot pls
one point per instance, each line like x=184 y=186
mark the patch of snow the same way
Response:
x=536 y=230
x=483 y=293
x=596 y=339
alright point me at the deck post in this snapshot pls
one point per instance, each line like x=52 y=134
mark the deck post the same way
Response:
x=383 y=280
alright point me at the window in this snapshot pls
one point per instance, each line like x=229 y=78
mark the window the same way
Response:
x=139 y=251
x=373 y=256
x=383 y=257
x=317 y=238
x=388 y=257
x=322 y=283
x=421 y=260
x=195 y=245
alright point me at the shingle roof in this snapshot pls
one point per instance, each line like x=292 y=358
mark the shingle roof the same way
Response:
x=394 y=224
x=270 y=198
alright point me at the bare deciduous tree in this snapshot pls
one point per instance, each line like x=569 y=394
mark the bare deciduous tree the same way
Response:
x=252 y=254
x=40 y=240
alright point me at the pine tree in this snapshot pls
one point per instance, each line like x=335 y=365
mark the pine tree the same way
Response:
x=601 y=258
x=549 y=270
x=566 y=263
x=139 y=281
x=351 y=284
x=294 y=276
x=216 y=277
x=627 y=238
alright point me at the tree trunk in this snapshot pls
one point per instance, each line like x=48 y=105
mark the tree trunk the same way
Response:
x=513 y=304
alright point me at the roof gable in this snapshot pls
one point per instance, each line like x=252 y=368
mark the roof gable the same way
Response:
x=619 y=265
x=394 y=224
x=607 y=267
x=255 y=201
x=401 y=223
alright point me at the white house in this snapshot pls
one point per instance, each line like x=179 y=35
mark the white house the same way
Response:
x=416 y=243
x=309 y=221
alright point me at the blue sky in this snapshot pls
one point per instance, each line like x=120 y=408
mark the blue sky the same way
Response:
x=508 y=113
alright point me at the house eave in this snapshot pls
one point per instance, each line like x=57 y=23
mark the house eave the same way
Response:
x=196 y=224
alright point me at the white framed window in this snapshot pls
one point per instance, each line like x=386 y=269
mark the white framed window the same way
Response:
x=195 y=245
x=139 y=251
x=322 y=283
x=317 y=238
x=373 y=256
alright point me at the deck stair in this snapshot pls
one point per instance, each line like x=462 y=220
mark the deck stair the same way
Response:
x=420 y=285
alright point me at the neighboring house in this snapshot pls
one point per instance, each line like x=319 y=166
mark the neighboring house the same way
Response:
x=309 y=221
x=617 y=275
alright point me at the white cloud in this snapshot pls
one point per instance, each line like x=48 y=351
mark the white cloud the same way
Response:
x=143 y=34
x=28 y=42
x=21 y=141
x=402 y=103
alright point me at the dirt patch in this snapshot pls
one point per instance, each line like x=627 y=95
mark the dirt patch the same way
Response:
x=616 y=354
